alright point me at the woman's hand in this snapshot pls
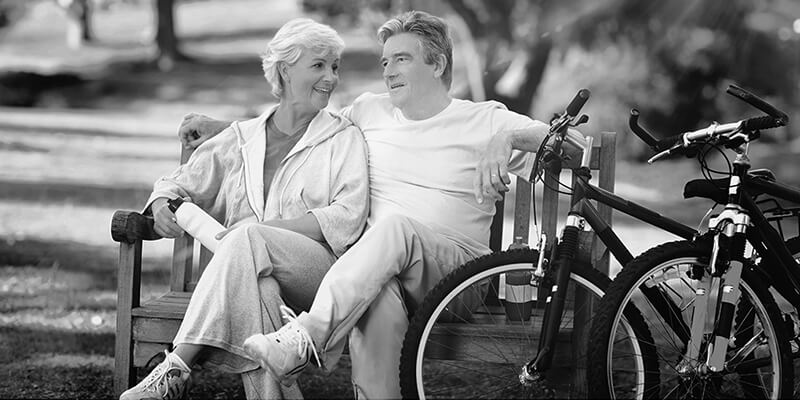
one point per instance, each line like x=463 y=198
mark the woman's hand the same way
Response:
x=165 y=224
x=197 y=128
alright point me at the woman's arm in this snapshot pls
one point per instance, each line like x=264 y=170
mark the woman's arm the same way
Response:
x=342 y=221
x=306 y=225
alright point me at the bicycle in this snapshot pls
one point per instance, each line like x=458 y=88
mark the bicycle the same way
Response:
x=457 y=303
x=730 y=338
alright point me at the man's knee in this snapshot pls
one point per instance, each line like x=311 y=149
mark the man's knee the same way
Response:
x=394 y=226
x=395 y=221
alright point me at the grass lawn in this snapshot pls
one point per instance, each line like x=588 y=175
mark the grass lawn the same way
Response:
x=85 y=151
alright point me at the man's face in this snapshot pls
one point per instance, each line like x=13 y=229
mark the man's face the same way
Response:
x=407 y=77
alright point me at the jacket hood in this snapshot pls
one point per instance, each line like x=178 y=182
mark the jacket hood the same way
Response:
x=252 y=139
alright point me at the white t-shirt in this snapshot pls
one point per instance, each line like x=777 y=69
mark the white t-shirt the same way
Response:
x=425 y=169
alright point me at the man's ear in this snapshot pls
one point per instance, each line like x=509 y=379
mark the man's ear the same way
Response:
x=439 y=66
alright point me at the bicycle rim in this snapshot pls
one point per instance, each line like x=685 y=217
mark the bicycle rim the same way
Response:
x=481 y=355
x=755 y=364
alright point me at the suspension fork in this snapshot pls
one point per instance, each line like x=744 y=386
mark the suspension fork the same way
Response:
x=554 y=303
x=718 y=293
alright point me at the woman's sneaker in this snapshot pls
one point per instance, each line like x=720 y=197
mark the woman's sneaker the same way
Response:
x=167 y=381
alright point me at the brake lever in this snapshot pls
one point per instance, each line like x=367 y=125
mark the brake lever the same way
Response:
x=665 y=153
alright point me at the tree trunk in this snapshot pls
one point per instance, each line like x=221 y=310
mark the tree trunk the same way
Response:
x=78 y=22
x=166 y=41
x=523 y=87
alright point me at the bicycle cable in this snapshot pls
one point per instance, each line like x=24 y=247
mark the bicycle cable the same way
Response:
x=707 y=170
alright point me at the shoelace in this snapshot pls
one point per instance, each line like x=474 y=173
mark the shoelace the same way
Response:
x=305 y=340
x=161 y=378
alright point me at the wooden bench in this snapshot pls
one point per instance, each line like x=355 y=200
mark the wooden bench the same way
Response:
x=145 y=330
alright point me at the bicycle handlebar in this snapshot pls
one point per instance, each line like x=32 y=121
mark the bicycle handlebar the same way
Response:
x=758 y=103
x=559 y=125
x=577 y=102
x=725 y=132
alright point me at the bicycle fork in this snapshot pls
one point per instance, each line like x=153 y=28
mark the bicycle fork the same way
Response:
x=717 y=294
x=554 y=304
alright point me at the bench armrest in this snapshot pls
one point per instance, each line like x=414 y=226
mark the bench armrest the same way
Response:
x=130 y=226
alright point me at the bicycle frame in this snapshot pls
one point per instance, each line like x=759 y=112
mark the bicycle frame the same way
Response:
x=771 y=245
x=734 y=225
x=583 y=211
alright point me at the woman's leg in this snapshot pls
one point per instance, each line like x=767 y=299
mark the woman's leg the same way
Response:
x=224 y=309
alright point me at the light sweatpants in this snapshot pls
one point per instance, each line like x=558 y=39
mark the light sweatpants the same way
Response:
x=255 y=269
x=395 y=249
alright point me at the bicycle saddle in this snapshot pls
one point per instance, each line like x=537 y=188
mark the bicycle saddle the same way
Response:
x=717 y=189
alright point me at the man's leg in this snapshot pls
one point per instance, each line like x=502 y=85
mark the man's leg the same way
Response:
x=375 y=345
x=391 y=247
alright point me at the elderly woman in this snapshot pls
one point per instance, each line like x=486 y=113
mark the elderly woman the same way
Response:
x=293 y=182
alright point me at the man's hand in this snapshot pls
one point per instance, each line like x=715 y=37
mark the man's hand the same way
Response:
x=166 y=224
x=197 y=128
x=570 y=149
x=491 y=176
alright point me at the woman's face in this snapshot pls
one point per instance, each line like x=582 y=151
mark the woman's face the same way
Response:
x=311 y=80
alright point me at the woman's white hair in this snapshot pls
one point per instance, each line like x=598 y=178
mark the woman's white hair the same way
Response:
x=289 y=43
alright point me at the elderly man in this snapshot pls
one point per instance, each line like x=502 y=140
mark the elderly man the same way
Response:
x=431 y=205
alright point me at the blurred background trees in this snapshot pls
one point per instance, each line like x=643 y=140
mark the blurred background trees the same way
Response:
x=673 y=59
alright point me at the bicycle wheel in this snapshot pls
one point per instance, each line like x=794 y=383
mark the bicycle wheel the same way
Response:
x=793 y=245
x=459 y=345
x=758 y=363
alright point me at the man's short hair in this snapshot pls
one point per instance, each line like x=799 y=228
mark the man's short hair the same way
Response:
x=294 y=37
x=433 y=34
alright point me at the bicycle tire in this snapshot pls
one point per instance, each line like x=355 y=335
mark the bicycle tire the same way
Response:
x=624 y=291
x=793 y=245
x=415 y=366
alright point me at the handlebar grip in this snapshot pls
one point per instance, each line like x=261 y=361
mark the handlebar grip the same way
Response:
x=633 y=122
x=755 y=101
x=577 y=103
x=765 y=122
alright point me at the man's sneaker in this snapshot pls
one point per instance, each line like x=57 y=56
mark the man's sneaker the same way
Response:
x=168 y=380
x=284 y=353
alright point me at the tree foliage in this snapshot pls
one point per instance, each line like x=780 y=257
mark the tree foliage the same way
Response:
x=697 y=46
x=690 y=48
x=11 y=11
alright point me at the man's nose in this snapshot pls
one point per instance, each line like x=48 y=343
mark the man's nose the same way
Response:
x=388 y=71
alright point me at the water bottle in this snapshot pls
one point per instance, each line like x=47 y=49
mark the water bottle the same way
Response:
x=519 y=295
x=196 y=222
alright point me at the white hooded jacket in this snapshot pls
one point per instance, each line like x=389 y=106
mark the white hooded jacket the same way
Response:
x=325 y=174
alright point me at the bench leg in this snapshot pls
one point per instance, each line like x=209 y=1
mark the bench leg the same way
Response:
x=128 y=281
